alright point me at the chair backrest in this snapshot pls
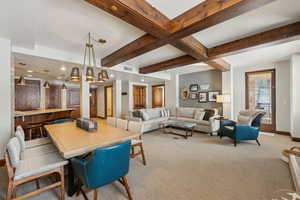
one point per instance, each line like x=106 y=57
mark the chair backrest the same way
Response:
x=250 y=117
x=14 y=151
x=21 y=138
x=106 y=166
x=122 y=123
x=60 y=121
x=135 y=127
x=112 y=121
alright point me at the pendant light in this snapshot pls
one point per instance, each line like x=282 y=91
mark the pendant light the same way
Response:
x=21 y=81
x=89 y=74
x=100 y=78
x=64 y=87
x=104 y=74
x=89 y=63
x=46 y=85
x=75 y=75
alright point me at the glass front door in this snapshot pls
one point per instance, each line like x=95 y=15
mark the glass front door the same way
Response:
x=260 y=94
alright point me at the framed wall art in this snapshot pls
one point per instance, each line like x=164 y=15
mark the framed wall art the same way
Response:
x=194 y=88
x=193 y=95
x=212 y=96
x=184 y=93
x=203 y=96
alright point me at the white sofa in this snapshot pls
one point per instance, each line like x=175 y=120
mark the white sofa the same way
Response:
x=182 y=114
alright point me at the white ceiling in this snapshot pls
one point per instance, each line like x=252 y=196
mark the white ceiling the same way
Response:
x=63 y=26
x=35 y=67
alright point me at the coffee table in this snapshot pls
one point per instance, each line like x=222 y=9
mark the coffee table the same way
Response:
x=188 y=127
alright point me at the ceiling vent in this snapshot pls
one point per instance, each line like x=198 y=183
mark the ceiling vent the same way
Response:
x=127 y=68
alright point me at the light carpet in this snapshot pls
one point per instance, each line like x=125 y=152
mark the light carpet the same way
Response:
x=200 y=168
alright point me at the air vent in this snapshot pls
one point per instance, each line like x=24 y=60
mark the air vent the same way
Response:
x=128 y=68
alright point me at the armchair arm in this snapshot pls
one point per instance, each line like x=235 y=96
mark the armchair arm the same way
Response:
x=227 y=123
x=245 y=132
x=214 y=124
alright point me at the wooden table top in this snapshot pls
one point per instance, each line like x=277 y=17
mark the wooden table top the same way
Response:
x=72 y=141
x=40 y=111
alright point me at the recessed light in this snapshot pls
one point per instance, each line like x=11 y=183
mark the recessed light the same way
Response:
x=29 y=71
x=143 y=80
x=29 y=75
x=112 y=75
x=63 y=68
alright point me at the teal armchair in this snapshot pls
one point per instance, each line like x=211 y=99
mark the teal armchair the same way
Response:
x=247 y=127
x=105 y=166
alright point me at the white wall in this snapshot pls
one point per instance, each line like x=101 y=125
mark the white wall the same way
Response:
x=84 y=98
x=6 y=93
x=172 y=93
x=295 y=95
x=117 y=98
x=100 y=101
x=282 y=91
x=283 y=96
x=227 y=89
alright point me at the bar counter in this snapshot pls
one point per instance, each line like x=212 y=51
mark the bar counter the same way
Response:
x=41 y=116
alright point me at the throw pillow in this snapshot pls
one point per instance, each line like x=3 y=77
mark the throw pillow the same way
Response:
x=136 y=113
x=199 y=115
x=145 y=116
x=208 y=114
x=163 y=113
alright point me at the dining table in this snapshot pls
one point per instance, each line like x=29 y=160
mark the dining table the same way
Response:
x=72 y=141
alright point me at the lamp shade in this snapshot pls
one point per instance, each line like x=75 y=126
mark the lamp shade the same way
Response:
x=21 y=81
x=89 y=74
x=224 y=98
x=64 y=87
x=46 y=85
x=104 y=74
x=75 y=74
x=100 y=78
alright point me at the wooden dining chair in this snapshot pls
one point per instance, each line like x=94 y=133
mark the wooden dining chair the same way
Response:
x=137 y=127
x=20 y=134
x=31 y=169
x=112 y=121
x=122 y=123
x=107 y=165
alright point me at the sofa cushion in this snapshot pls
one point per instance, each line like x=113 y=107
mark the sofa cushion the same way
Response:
x=199 y=114
x=184 y=119
x=145 y=116
x=203 y=123
x=154 y=113
x=185 y=112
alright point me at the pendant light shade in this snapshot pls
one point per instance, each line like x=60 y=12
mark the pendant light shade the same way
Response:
x=75 y=74
x=46 y=85
x=64 y=87
x=104 y=74
x=21 y=81
x=89 y=74
x=100 y=78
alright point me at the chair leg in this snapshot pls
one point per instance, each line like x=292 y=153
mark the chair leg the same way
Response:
x=143 y=154
x=235 y=143
x=10 y=191
x=95 y=194
x=30 y=134
x=257 y=142
x=37 y=182
x=124 y=179
x=132 y=150
x=62 y=186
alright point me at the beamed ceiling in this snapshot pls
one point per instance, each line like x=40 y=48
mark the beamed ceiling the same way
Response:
x=155 y=35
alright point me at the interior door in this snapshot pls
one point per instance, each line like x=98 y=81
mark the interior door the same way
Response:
x=139 y=97
x=109 y=101
x=158 y=96
x=93 y=102
x=260 y=94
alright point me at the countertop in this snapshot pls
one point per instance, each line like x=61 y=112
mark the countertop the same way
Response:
x=41 y=111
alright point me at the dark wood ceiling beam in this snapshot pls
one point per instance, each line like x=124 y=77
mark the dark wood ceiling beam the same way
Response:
x=205 y=15
x=268 y=38
x=142 y=15
x=275 y=36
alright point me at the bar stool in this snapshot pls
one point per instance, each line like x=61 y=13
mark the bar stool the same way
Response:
x=38 y=127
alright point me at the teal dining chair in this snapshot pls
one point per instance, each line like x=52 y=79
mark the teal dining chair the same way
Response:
x=104 y=166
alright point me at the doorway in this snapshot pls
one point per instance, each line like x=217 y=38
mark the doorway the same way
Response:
x=93 y=102
x=158 y=96
x=108 y=101
x=139 y=97
x=261 y=94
